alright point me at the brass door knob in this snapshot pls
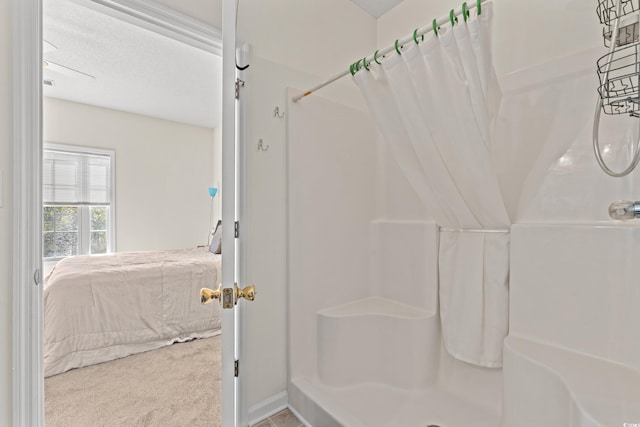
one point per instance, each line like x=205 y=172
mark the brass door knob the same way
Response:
x=207 y=295
x=248 y=293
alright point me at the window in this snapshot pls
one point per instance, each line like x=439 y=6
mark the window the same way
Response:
x=78 y=201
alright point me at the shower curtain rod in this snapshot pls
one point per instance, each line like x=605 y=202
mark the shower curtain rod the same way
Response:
x=382 y=53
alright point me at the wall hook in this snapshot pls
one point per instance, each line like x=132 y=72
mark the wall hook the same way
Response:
x=276 y=113
x=261 y=145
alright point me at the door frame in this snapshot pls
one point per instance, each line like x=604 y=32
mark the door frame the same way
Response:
x=27 y=295
x=27 y=320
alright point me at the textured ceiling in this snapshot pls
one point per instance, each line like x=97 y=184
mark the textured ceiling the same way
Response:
x=126 y=67
x=377 y=8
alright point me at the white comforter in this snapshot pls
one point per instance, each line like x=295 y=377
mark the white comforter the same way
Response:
x=100 y=308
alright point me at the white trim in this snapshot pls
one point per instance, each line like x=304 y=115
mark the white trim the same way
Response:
x=230 y=412
x=28 y=373
x=268 y=407
x=243 y=54
x=161 y=20
x=27 y=318
x=79 y=149
x=287 y=233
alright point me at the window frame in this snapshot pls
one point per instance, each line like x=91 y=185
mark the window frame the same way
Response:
x=84 y=211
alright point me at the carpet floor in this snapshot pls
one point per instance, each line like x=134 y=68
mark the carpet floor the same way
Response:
x=173 y=386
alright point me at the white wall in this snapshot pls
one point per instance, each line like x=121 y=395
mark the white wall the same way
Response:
x=319 y=37
x=526 y=33
x=163 y=170
x=6 y=228
x=547 y=167
x=266 y=256
x=544 y=55
x=332 y=193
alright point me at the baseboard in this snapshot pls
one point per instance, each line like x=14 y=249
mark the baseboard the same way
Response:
x=268 y=407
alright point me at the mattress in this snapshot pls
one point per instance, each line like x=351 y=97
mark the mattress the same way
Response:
x=103 y=307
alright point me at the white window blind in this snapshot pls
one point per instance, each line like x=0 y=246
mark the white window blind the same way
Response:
x=76 y=178
x=78 y=199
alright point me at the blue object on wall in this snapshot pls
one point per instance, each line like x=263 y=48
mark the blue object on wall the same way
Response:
x=213 y=191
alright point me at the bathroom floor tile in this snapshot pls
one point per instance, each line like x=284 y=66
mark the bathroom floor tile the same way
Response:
x=283 y=418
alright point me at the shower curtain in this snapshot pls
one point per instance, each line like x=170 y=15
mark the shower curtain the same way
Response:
x=434 y=104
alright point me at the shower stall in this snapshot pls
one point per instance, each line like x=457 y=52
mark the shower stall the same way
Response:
x=364 y=330
x=369 y=308
x=365 y=337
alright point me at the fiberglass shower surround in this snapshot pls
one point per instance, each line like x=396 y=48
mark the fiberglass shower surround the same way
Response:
x=434 y=101
x=408 y=302
x=372 y=346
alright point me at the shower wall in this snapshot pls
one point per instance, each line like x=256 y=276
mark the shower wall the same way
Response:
x=526 y=33
x=570 y=358
x=555 y=193
x=543 y=157
x=362 y=297
x=544 y=153
x=363 y=283
x=542 y=145
x=332 y=193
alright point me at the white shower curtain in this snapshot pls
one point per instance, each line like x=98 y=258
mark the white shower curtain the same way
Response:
x=435 y=104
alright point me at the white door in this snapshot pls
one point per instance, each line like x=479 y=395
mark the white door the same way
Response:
x=234 y=410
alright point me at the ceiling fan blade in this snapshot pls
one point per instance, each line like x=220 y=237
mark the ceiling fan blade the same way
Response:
x=48 y=65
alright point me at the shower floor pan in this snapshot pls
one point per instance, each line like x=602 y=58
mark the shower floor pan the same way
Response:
x=377 y=405
x=380 y=363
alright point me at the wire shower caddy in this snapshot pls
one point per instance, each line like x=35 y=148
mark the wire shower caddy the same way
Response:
x=619 y=70
x=608 y=13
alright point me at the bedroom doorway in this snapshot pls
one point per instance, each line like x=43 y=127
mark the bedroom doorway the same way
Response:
x=28 y=303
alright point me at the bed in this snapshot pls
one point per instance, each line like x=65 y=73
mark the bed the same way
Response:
x=103 y=307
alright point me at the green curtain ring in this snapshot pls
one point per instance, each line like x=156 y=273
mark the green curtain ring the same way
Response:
x=397 y=48
x=351 y=70
x=415 y=36
x=435 y=27
x=375 y=57
x=465 y=12
x=479 y=4
x=358 y=65
x=452 y=18
x=364 y=63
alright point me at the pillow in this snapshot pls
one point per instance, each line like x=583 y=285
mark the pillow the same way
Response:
x=216 y=241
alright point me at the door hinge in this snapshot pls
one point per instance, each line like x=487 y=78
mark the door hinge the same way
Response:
x=235 y=368
x=237 y=229
x=239 y=84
